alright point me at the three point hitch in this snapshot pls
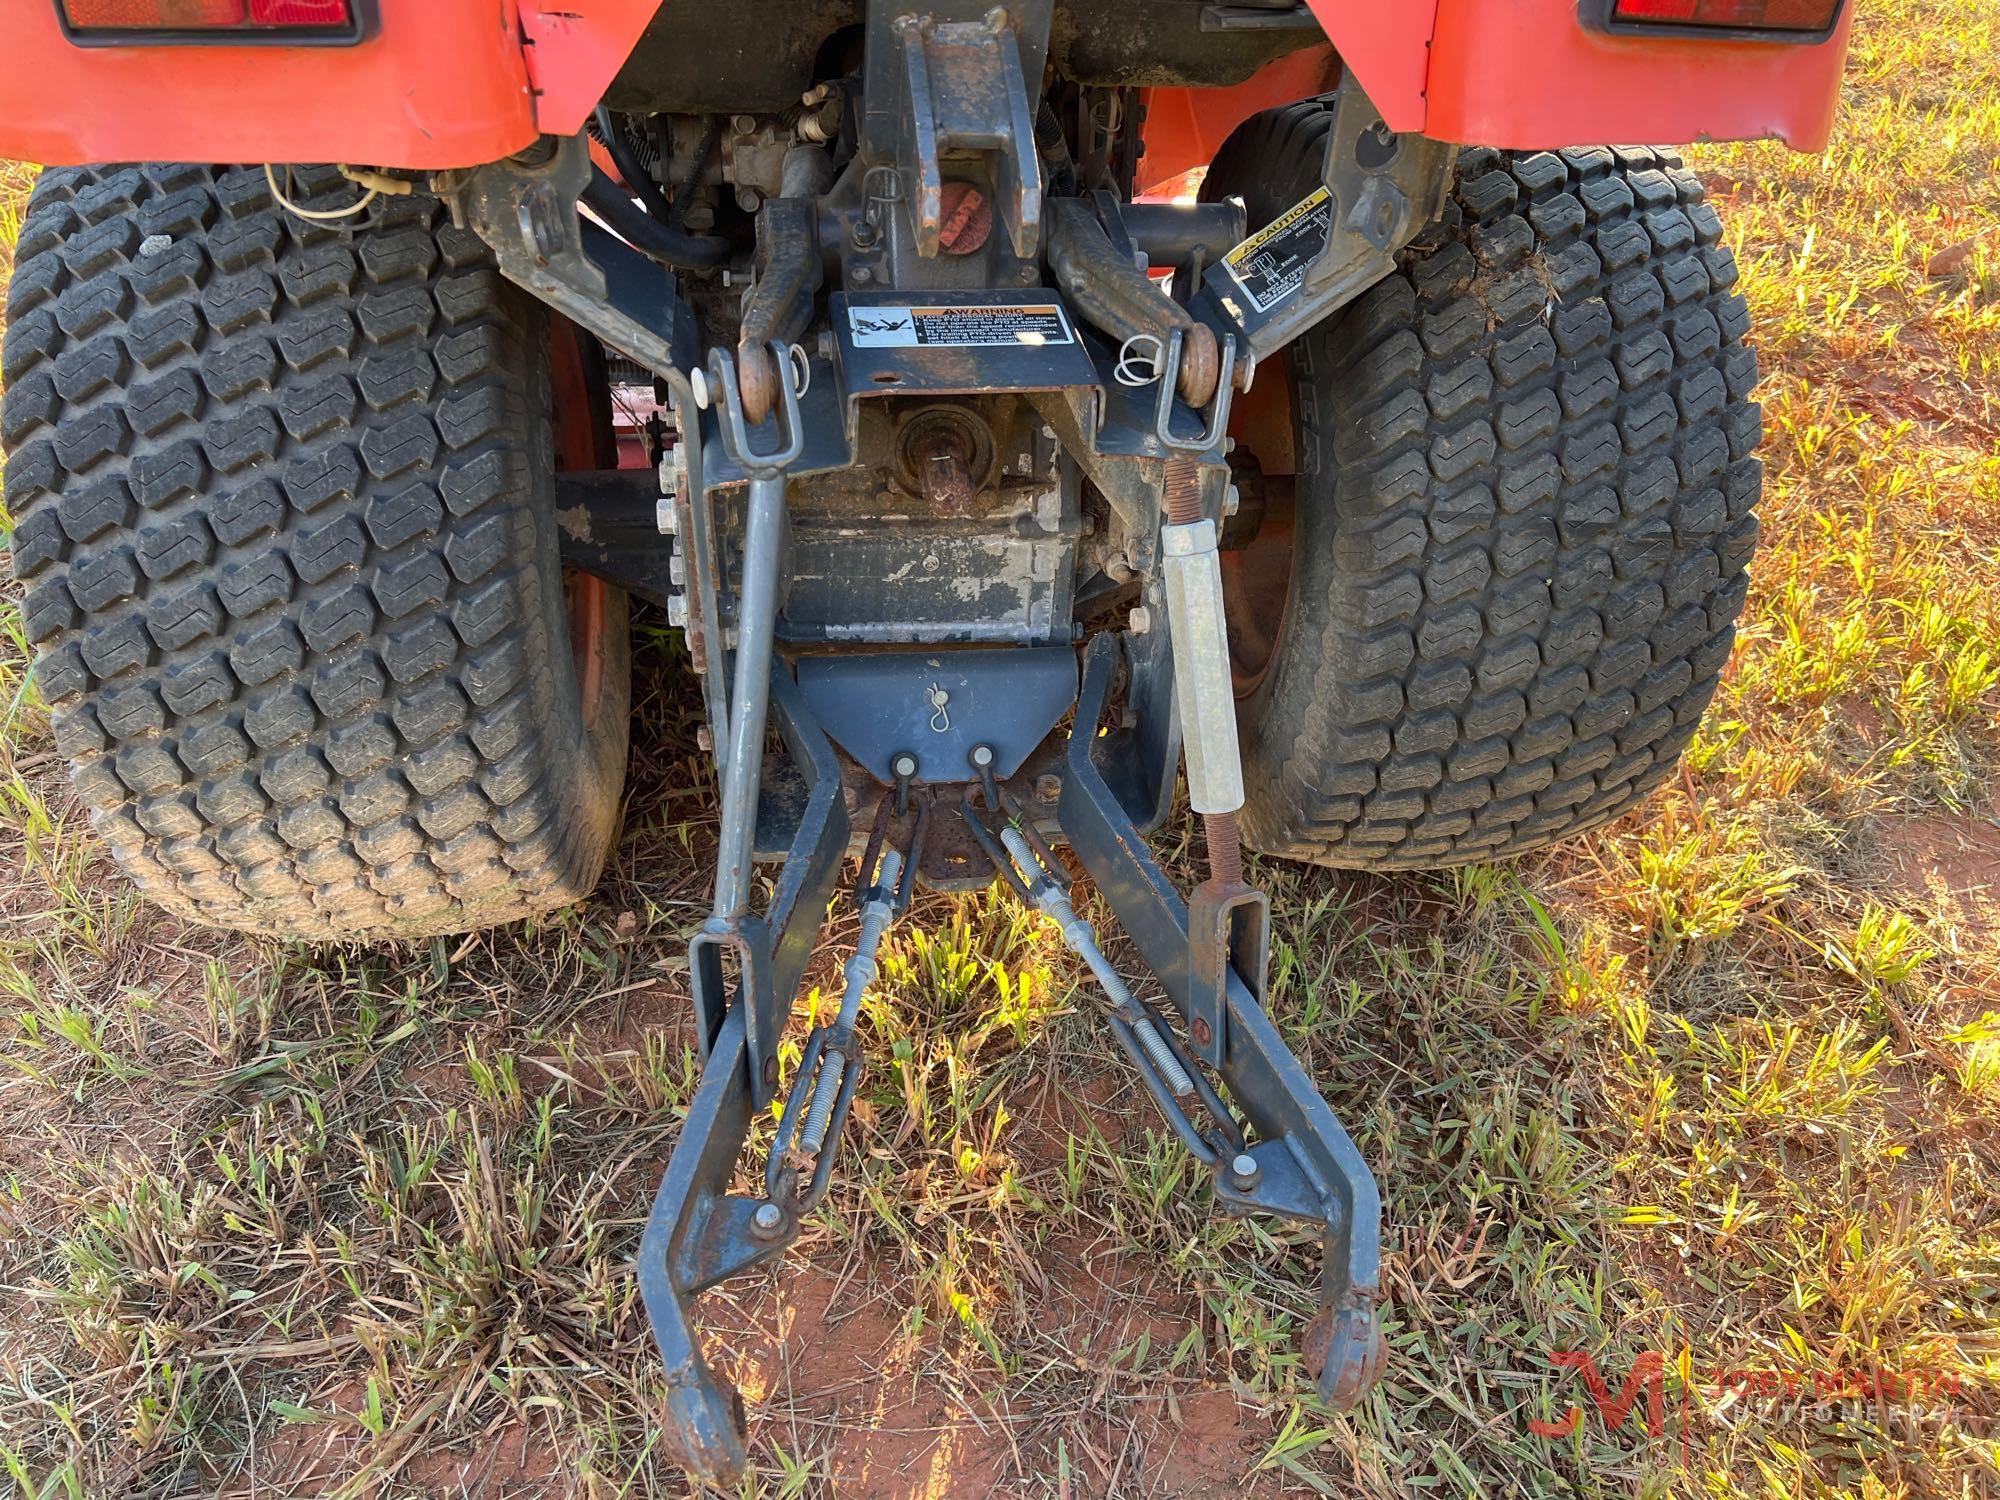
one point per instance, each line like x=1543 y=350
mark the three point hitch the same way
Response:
x=1216 y=1066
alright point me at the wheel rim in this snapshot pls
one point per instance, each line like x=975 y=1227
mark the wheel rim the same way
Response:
x=580 y=443
x=1257 y=592
x=1257 y=576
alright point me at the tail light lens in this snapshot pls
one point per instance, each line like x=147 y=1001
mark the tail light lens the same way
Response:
x=224 y=20
x=300 y=13
x=154 y=15
x=1794 y=16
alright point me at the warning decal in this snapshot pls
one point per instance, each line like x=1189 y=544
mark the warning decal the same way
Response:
x=878 y=327
x=1271 y=264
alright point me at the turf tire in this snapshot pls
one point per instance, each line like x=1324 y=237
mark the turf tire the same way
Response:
x=285 y=529
x=1524 y=510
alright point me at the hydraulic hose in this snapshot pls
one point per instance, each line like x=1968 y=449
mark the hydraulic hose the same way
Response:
x=637 y=178
x=648 y=235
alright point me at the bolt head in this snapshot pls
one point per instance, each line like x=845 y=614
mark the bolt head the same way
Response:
x=1140 y=620
x=1244 y=1169
x=982 y=756
x=1048 y=787
x=768 y=1219
x=904 y=764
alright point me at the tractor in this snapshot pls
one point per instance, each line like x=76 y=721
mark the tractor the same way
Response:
x=1023 y=410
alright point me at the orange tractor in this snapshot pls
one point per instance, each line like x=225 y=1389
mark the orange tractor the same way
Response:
x=1019 y=407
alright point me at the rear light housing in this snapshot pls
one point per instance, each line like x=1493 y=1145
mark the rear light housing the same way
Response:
x=1723 y=20
x=291 y=23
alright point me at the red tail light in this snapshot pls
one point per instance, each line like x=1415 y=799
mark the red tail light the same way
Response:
x=223 y=20
x=300 y=13
x=1800 y=16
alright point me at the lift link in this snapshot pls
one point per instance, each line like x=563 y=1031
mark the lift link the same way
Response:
x=729 y=929
x=1229 y=923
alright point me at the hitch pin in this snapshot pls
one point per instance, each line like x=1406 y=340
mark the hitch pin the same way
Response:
x=1082 y=940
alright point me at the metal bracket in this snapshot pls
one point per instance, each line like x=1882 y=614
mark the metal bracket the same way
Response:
x=957 y=86
x=1378 y=191
x=1229 y=933
x=1215 y=419
x=527 y=214
x=1386 y=187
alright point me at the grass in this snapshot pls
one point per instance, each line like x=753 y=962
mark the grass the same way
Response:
x=1721 y=1082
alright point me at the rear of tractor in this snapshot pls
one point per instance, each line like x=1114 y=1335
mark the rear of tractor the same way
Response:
x=1017 y=408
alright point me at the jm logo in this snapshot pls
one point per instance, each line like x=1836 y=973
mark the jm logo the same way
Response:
x=1648 y=1374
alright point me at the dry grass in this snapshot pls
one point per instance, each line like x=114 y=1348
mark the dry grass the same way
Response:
x=1721 y=1082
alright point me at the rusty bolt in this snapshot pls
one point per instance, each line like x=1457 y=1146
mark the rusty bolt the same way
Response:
x=1202 y=1032
x=1048 y=787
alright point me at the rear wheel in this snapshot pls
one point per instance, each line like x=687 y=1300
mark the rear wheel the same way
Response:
x=285 y=523
x=1513 y=487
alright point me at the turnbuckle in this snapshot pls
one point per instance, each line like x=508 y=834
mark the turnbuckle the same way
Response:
x=822 y=1093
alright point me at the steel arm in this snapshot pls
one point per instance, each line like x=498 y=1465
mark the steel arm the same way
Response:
x=1309 y=1169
